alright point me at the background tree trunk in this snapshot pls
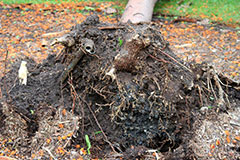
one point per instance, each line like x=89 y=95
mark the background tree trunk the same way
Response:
x=138 y=11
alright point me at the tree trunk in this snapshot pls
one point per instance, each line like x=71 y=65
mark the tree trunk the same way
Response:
x=138 y=11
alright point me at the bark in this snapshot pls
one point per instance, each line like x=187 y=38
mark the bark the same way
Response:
x=138 y=11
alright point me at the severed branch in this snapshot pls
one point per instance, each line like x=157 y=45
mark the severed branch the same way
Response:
x=111 y=27
x=68 y=41
x=70 y=67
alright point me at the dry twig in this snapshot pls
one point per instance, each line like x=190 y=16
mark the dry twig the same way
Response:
x=49 y=152
x=73 y=91
x=95 y=118
x=110 y=27
x=175 y=60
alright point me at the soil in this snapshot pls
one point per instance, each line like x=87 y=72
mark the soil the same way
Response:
x=152 y=99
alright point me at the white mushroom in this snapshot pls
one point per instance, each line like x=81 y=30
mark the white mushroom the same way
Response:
x=22 y=73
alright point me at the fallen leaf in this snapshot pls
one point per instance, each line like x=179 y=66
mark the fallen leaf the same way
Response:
x=227 y=132
x=234 y=141
x=48 y=140
x=212 y=146
x=217 y=142
x=237 y=138
x=228 y=139
x=60 y=125
x=64 y=112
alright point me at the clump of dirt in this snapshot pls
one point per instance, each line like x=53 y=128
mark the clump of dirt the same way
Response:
x=126 y=90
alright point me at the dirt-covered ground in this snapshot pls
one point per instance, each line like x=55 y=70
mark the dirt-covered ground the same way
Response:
x=130 y=94
x=155 y=108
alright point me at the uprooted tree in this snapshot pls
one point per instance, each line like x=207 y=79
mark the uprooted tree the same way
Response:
x=138 y=11
x=124 y=81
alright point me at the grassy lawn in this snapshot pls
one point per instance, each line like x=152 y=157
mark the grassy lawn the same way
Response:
x=224 y=11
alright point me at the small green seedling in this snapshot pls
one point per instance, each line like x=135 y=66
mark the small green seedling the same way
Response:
x=88 y=143
x=98 y=132
x=31 y=111
x=210 y=107
x=120 y=41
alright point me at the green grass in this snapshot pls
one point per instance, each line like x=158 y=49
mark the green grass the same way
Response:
x=227 y=11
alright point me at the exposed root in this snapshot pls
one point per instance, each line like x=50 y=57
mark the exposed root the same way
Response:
x=220 y=98
x=49 y=152
x=66 y=40
x=95 y=118
x=111 y=73
x=200 y=94
x=220 y=90
x=176 y=61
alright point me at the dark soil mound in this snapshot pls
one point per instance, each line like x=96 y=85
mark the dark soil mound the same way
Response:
x=129 y=85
